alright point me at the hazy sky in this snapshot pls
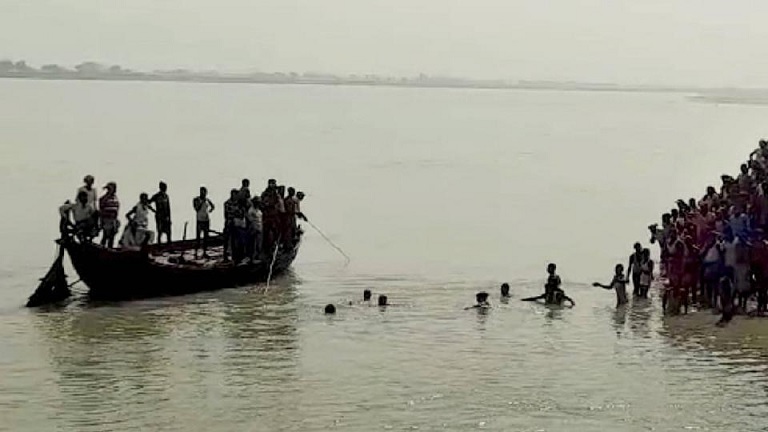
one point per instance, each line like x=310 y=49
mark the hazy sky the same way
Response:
x=704 y=42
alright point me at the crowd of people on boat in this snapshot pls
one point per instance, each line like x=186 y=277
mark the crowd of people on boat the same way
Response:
x=713 y=249
x=252 y=224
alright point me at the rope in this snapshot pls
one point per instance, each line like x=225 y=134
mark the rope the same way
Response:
x=272 y=264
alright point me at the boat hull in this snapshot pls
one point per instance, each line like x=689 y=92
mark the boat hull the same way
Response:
x=112 y=274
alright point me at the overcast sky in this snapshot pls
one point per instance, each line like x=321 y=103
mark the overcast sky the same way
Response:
x=704 y=42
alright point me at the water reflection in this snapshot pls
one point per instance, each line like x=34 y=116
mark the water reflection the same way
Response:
x=619 y=319
x=115 y=365
x=640 y=314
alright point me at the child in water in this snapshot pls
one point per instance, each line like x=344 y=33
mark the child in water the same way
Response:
x=553 y=294
x=482 y=301
x=619 y=284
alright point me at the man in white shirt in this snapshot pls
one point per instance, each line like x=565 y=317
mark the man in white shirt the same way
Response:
x=134 y=236
x=255 y=224
x=203 y=207
x=84 y=215
x=90 y=191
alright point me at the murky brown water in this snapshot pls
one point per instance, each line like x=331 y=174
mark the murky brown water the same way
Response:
x=435 y=194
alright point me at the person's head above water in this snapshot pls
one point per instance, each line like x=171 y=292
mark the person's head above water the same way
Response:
x=383 y=300
x=744 y=168
x=619 y=269
x=245 y=183
x=330 y=309
x=366 y=295
x=638 y=247
x=551 y=268
x=646 y=254
x=505 y=289
x=481 y=297
x=163 y=187
x=203 y=191
x=233 y=193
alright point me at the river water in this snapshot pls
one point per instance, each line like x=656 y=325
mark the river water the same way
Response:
x=435 y=194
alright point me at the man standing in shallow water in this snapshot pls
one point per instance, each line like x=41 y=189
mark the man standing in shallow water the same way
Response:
x=618 y=284
x=633 y=269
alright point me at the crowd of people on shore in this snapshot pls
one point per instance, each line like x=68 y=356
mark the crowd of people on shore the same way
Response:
x=713 y=250
x=253 y=225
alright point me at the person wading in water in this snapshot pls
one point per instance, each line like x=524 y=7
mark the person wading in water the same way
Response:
x=633 y=269
x=618 y=284
x=553 y=294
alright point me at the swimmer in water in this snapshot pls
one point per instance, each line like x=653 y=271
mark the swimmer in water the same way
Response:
x=553 y=294
x=367 y=295
x=505 y=290
x=383 y=300
x=330 y=309
x=482 y=301
x=619 y=284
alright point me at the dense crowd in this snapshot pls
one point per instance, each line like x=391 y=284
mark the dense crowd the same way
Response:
x=713 y=250
x=253 y=225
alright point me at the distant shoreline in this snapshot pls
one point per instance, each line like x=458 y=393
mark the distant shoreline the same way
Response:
x=337 y=81
x=702 y=94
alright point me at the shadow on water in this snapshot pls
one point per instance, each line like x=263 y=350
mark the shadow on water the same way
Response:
x=115 y=363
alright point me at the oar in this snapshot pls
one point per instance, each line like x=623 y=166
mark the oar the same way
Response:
x=329 y=241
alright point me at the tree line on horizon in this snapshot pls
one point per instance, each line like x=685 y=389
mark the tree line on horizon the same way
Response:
x=21 y=67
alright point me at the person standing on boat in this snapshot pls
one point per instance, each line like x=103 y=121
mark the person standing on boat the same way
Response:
x=230 y=206
x=300 y=197
x=203 y=207
x=162 y=212
x=269 y=201
x=110 y=211
x=282 y=217
x=139 y=216
x=292 y=211
x=245 y=190
x=85 y=217
x=255 y=226
x=240 y=231
x=89 y=190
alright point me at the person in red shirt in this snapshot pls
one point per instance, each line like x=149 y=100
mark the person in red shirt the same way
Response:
x=109 y=213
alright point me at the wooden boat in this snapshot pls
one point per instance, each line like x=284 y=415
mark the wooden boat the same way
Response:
x=167 y=269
